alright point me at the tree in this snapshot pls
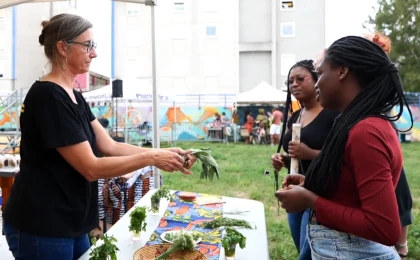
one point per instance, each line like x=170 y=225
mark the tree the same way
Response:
x=400 y=21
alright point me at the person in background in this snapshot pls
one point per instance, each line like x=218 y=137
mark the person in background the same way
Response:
x=316 y=124
x=249 y=124
x=404 y=199
x=225 y=120
x=262 y=118
x=53 y=203
x=350 y=185
x=275 y=127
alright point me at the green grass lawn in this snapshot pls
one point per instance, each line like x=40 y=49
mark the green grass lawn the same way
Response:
x=242 y=168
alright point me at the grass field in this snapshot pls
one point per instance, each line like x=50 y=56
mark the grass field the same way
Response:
x=243 y=168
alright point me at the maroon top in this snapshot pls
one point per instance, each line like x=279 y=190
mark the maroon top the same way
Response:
x=364 y=203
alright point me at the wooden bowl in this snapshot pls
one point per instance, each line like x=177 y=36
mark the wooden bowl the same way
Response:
x=151 y=252
x=187 y=196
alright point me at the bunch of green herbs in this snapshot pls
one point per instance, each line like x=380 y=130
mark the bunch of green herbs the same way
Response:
x=226 y=222
x=182 y=241
x=209 y=166
x=138 y=220
x=107 y=249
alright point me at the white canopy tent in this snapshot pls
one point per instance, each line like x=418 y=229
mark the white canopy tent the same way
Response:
x=155 y=104
x=9 y=3
x=263 y=93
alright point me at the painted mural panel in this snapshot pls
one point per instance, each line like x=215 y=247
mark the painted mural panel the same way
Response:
x=181 y=123
x=176 y=123
x=405 y=122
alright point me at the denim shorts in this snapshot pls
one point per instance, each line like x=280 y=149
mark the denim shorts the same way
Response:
x=328 y=244
x=28 y=247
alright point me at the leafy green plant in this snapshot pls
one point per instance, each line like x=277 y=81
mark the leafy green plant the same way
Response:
x=163 y=192
x=226 y=222
x=182 y=241
x=107 y=249
x=209 y=166
x=231 y=239
x=138 y=220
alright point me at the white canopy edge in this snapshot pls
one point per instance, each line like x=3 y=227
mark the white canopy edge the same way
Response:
x=10 y=3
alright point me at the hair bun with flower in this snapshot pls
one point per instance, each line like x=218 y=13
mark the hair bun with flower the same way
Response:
x=380 y=39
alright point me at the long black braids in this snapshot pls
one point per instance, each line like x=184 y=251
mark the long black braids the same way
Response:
x=382 y=91
x=308 y=65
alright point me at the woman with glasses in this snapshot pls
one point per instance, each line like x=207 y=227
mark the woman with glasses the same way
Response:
x=316 y=123
x=350 y=186
x=53 y=204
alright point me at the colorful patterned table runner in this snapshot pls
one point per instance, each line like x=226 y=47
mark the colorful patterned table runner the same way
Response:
x=187 y=215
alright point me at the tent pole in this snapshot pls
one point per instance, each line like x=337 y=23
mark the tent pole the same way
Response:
x=155 y=105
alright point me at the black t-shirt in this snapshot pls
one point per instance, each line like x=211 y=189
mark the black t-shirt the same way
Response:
x=49 y=197
x=313 y=134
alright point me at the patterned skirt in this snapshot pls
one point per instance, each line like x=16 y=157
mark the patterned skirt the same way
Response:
x=111 y=194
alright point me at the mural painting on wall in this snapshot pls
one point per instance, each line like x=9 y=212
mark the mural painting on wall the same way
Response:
x=9 y=119
x=176 y=123
x=404 y=122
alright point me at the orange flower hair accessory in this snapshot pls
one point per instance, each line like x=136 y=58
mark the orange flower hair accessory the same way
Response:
x=380 y=39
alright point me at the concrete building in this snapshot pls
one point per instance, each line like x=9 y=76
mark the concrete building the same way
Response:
x=203 y=46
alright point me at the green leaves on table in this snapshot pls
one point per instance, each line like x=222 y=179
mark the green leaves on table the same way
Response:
x=182 y=241
x=233 y=237
x=138 y=220
x=226 y=222
x=108 y=248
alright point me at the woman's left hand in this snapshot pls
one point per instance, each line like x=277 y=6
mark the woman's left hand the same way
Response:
x=296 y=199
x=300 y=151
x=184 y=153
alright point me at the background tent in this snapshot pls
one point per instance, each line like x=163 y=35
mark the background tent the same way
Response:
x=263 y=93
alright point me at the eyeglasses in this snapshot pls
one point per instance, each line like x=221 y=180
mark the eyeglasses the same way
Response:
x=299 y=79
x=89 y=45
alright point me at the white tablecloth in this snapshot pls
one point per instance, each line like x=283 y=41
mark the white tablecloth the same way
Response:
x=256 y=246
x=5 y=254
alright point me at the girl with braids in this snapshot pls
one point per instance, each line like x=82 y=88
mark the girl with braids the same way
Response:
x=316 y=123
x=404 y=199
x=350 y=185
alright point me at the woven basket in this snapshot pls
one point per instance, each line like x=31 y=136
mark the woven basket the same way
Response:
x=151 y=252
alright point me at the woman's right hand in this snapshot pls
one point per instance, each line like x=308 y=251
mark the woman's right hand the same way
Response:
x=169 y=161
x=277 y=161
x=293 y=179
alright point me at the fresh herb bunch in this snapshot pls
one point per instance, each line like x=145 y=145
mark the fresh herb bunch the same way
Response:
x=226 y=222
x=138 y=220
x=163 y=192
x=182 y=241
x=209 y=166
x=170 y=236
x=232 y=238
x=108 y=248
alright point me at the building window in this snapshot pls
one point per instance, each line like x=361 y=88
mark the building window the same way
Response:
x=287 y=5
x=287 y=29
x=286 y=62
x=179 y=7
x=211 y=31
